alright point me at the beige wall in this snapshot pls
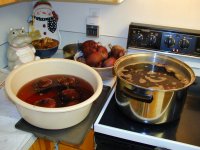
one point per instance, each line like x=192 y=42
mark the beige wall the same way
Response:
x=115 y=19
x=13 y=16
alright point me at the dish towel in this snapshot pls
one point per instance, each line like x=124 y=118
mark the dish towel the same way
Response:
x=10 y=137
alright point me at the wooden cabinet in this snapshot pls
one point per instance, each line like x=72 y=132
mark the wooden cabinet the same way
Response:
x=8 y=2
x=94 y=1
x=111 y=1
x=88 y=144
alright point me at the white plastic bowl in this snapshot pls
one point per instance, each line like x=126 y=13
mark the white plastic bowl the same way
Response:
x=52 y=118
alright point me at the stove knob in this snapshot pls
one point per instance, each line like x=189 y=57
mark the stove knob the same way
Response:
x=139 y=37
x=169 y=42
x=151 y=40
x=184 y=43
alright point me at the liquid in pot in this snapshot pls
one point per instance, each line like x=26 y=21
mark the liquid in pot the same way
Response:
x=155 y=76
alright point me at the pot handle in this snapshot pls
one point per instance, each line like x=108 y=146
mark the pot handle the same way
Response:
x=137 y=95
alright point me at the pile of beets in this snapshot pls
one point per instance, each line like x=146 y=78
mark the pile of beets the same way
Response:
x=97 y=55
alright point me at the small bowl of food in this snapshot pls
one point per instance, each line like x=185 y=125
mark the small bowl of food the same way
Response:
x=70 y=50
x=58 y=95
x=45 y=47
x=99 y=57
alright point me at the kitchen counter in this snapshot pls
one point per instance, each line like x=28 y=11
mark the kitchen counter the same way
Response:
x=10 y=137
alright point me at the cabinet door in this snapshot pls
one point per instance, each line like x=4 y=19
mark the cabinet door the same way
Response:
x=111 y=1
x=6 y=2
x=94 y=1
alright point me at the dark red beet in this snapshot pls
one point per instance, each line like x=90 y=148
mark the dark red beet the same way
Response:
x=67 y=81
x=44 y=83
x=117 y=51
x=103 y=51
x=94 y=60
x=46 y=102
x=70 y=94
x=89 y=47
x=109 y=62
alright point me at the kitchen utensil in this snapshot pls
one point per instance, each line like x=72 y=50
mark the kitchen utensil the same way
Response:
x=150 y=105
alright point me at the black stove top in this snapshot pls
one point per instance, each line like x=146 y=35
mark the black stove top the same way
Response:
x=186 y=130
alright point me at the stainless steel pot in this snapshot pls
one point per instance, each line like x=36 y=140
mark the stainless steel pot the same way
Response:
x=149 y=105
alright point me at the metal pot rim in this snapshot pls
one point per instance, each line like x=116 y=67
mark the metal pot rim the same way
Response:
x=154 y=55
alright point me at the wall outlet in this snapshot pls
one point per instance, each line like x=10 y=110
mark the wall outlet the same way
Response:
x=92 y=26
x=92 y=30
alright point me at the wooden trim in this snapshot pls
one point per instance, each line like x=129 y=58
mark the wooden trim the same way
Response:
x=88 y=144
x=6 y=2
x=94 y=1
x=9 y=2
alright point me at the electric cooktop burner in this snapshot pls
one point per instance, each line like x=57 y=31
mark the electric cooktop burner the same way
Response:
x=186 y=130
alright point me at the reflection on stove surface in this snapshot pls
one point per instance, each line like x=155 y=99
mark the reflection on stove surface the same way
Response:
x=185 y=130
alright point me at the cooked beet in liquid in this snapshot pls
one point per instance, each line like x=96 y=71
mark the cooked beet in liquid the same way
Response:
x=56 y=91
x=155 y=76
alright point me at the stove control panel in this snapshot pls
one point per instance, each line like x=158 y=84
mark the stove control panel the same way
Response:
x=145 y=38
x=164 y=39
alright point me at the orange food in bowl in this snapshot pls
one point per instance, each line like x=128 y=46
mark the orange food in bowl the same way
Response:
x=45 y=47
x=45 y=43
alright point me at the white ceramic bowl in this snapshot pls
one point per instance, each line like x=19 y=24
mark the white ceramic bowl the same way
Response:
x=106 y=73
x=52 y=118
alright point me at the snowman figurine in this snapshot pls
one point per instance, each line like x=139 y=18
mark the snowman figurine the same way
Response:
x=44 y=22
